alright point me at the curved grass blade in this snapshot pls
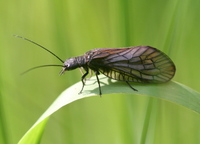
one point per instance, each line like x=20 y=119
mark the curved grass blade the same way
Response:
x=172 y=91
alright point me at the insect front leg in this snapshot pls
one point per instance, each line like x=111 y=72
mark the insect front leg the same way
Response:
x=83 y=80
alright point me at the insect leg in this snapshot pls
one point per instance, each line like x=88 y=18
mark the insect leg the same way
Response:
x=97 y=73
x=81 y=70
x=131 y=86
x=82 y=79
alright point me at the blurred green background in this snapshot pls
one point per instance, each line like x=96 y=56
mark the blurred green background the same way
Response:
x=70 y=28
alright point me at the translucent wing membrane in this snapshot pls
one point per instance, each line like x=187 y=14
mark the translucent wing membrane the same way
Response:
x=141 y=64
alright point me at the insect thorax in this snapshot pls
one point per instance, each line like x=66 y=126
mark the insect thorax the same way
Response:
x=75 y=62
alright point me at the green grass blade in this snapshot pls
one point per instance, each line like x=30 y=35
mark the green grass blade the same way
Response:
x=171 y=91
x=34 y=135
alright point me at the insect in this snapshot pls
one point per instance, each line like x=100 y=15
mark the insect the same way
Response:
x=141 y=64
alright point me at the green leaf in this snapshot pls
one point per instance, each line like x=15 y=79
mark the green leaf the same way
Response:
x=171 y=91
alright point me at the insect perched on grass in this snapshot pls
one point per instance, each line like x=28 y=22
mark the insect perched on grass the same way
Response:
x=141 y=64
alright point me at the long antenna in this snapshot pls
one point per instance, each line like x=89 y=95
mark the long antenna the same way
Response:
x=40 y=67
x=40 y=46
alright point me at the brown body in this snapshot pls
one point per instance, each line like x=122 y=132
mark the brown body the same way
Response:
x=142 y=64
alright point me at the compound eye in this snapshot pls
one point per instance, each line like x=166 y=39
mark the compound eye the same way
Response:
x=66 y=64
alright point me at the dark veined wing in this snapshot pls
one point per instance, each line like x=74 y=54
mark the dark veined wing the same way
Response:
x=143 y=64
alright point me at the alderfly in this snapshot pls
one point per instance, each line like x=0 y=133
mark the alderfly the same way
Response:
x=141 y=64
